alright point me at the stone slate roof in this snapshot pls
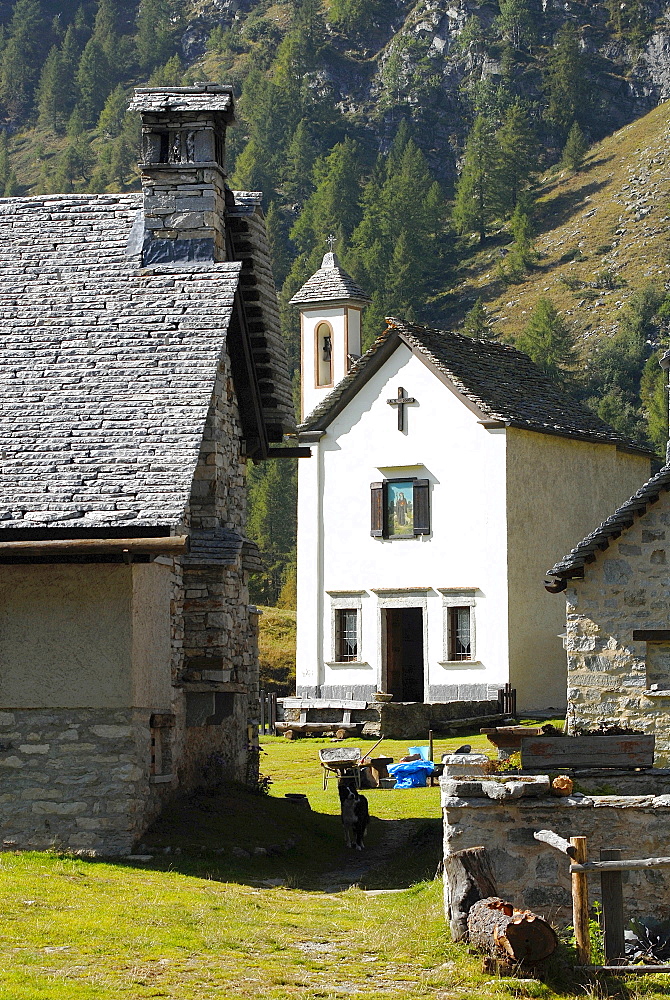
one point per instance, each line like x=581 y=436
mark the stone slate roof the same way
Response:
x=329 y=284
x=585 y=552
x=106 y=369
x=501 y=383
x=214 y=97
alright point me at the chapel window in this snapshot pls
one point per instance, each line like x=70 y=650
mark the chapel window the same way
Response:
x=346 y=635
x=458 y=626
x=324 y=354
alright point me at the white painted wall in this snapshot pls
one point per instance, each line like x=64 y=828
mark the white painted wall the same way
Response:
x=465 y=464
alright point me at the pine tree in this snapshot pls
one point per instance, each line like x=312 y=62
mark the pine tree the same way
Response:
x=629 y=20
x=299 y=164
x=169 y=75
x=158 y=25
x=654 y=397
x=93 y=81
x=352 y=16
x=548 y=341
x=565 y=80
x=518 y=154
x=70 y=56
x=334 y=205
x=477 y=323
x=272 y=524
x=479 y=189
x=113 y=116
x=20 y=58
x=575 y=149
x=521 y=255
x=49 y=92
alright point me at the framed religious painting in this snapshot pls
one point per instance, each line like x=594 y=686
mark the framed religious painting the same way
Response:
x=400 y=508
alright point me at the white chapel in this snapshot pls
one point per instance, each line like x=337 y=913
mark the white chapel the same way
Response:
x=446 y=474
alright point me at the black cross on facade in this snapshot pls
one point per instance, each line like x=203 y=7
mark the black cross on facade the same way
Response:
x=401 y=402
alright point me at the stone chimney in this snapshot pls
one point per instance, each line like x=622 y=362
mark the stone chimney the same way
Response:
x=183 y=177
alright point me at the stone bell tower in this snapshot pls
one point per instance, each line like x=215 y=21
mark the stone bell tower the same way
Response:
x=183 y=177
x=330 y=304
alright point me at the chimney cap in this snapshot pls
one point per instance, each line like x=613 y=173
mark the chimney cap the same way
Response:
x=200 y=97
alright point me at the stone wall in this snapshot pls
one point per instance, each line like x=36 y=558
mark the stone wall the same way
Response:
x=216 y=670
x=610 y=675
x=76 y=779
x=536 y=876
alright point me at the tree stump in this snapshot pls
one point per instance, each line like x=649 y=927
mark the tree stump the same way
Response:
x=497 y=928
x=468 y=877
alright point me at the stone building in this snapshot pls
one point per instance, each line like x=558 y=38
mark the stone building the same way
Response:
x=444 y=471
x=616 y=583
x=141 y=366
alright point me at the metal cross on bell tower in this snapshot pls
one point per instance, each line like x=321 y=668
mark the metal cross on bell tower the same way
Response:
x=401 y=402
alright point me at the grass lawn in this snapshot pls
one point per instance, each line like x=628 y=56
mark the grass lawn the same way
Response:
x=205 y=916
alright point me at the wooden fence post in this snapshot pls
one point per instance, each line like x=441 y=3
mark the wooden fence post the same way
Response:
x=612 y=893
x=580 y=904
x=262 y=701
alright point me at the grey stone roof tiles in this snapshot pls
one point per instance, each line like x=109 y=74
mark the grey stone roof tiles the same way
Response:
x=329 y=284
x=106 y=369
x=156 y=99
x=501 y=382
x=574 y=562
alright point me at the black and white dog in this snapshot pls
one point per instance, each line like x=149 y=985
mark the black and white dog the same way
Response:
x=355 y=812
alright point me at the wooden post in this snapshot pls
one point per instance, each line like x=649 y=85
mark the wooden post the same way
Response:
x=430 y=744
x=262 y=701
x=580 y=904
x=612 y=893
x=273 y=714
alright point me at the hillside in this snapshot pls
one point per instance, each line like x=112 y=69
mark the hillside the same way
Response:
x=601 y=233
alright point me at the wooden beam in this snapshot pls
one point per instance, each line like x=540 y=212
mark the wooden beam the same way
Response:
x=168 y=545
x=553 y=839
x=289 y=452
x=651 y=634
x=619 y=866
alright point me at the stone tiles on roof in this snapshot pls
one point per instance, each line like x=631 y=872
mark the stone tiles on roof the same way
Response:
x=330 y=283
x=215 y=97
x=502 y=383
x=574 y=562
x=107 y=370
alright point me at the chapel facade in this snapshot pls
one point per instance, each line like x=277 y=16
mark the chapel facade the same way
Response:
x=141 y=367
x=444 y=470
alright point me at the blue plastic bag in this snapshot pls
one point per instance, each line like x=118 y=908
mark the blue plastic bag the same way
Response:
x=411 y=773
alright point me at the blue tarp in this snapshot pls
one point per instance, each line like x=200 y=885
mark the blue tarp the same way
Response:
x=411 y=773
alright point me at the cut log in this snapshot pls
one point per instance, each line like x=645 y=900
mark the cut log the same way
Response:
x=468 y=877
x=497 y=928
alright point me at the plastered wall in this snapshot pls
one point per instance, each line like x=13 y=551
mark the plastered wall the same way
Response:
x=559 y=490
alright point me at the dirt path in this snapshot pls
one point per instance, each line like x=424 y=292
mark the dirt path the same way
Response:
x=396 y=837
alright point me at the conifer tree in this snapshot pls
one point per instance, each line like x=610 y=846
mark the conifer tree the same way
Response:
x=479 y=189
x=565 y=80
x=575 y=149
x=654 y=397
x=52 y=114
x=169 y=75
x=352 y=16
x=548 y=340
x=272 y=524
x=20 y=58
x=518 y=154
x=93 y=82
x=334 y=205
x=477 y=322
x=70 y=55
x=521 y=255
x=158 y=24
x=299 y=164
x=113 y=115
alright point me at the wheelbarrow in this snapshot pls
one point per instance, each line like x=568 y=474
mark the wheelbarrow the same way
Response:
x=341 y=761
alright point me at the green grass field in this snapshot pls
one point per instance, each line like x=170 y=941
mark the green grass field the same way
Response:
x=205 y=920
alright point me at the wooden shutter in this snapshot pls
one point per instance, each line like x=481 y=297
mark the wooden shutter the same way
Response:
x=377 y=509
x=421 y=507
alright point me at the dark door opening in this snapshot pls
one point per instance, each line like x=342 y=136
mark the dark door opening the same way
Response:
x=404 y=653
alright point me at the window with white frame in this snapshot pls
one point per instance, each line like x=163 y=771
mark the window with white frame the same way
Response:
x=459 y=625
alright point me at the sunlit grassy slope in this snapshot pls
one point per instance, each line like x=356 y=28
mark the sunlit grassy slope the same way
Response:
x=607 y=224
